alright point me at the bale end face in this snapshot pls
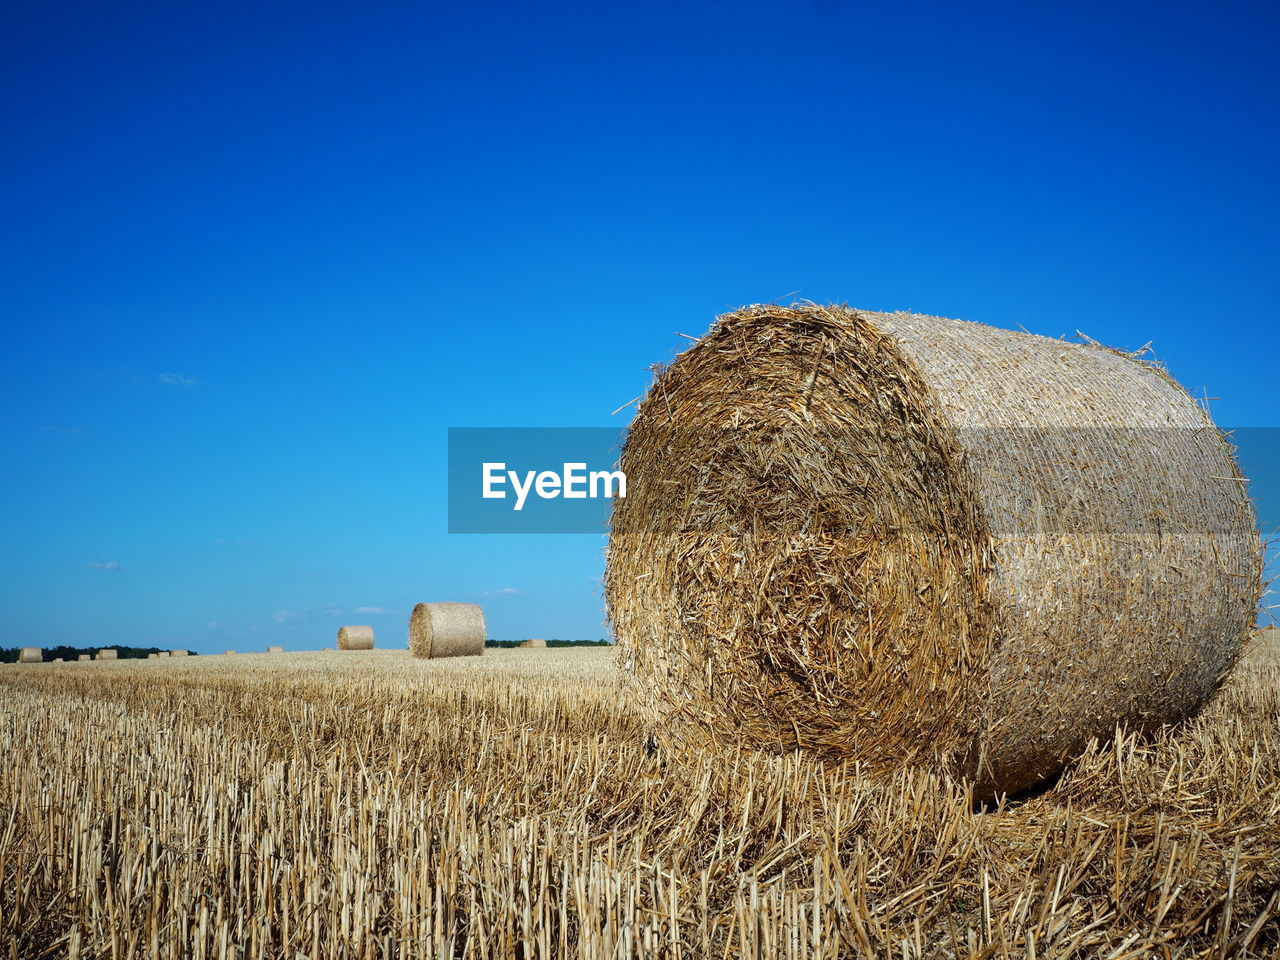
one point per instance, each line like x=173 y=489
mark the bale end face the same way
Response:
x=355 y=638
x=438 y=630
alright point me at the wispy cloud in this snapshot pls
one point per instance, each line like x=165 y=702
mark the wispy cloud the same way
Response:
x=502 y=593
x=372 y=610
x=176 y=380
x=111 y=566
x=284 y=616
x=213 y=625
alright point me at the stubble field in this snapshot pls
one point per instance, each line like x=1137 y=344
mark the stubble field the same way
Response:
x=366 y=805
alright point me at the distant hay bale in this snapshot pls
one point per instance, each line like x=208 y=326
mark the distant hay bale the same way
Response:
x=84 y=656
x=355 y=638
x=228 y=653
x=895 y=538
x=31 y=655
x=56 y=660
x=109 y=654
x=178 y=653
x=439 y=630
x=275 y=649
x=163 y=654
x=534 y=642
x=153 y=656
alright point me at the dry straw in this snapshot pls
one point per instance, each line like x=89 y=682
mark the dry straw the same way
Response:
x=83 y=657
x=446 y=630
x=275 y=649
x=178 y=653
x=534 y=643
x=31 y=655
x=355 y=638
x=109 y=654
x=897 y=538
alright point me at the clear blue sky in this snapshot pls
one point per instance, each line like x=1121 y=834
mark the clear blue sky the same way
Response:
x=256 y=258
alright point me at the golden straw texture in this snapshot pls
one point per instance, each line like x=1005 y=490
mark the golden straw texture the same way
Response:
x=896 y=538
x=446 y=630
x=355 y=638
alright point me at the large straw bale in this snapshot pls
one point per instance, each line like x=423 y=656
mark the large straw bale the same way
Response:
x=31 y=655
x=228 y=653
x=275 y=649
x=446 y=630
x=83 y=657
x=110 y=653
x=179 y=653
x=355 y=638
x=897 y=538
x=534 y=642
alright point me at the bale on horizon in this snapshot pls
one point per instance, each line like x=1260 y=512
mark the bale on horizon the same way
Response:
x=227 y=653
x=31 y=655
x=534 y=642
x=275 y=649
x=895 y=538
x=447 y=629
x=178 y=653
x=355 y=638
x=82 y=657
x=110 y=653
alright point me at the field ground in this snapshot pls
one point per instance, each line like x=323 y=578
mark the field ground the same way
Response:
x=363 y=805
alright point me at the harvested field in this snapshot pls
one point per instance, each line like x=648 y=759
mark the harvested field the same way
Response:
x=377 y=805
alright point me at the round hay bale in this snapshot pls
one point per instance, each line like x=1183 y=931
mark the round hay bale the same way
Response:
x=109 y=653
x=31 y=655
x=446 y=630
x=275 y=649
x=83 y=657
x=56 y=660
x=355 y=638
x=228 y=653
x=178 y=653
x=534 y=642
x=163 y=654
x=899 y=539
